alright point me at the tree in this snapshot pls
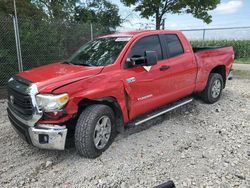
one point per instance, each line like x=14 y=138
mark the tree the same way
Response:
x=158 y=8
x=88 y=11
x=25 y=9
x=57 y=9
x=100 y=12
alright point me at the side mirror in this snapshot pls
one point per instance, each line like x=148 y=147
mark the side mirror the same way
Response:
x=151 y=58
x=135 y=61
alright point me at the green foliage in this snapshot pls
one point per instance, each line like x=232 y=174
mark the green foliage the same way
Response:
x=245 y=60
x=47 y=42
x=50 y=30
x=241 y=47
x=25 y=9
x=62 y=10
x=42 y=42
x=8 y=58
x=100 y=12
x=158 y=8
x=91 y=11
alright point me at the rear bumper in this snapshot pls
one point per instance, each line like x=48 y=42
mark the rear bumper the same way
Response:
x=41 y=136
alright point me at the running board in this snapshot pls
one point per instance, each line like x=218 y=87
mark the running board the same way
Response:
x=161 y=111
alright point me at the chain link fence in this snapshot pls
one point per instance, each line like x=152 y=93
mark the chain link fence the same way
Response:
x=42 y=42
x=8 y=54
x=238 y=37
x=228 y=33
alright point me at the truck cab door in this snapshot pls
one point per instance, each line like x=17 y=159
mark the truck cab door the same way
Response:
x=172 y=78
x=142 y=83
x=180 y=77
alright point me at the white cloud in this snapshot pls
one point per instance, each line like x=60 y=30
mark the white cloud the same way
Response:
x=229 y=7
x=172 y=25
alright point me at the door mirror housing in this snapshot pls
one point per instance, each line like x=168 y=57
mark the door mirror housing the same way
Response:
x=150 y=58
x=135 y=61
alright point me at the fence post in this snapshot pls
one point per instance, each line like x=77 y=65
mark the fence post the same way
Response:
x=203 y=37
x=204 y=33
x=17 y=38
x=91 y=31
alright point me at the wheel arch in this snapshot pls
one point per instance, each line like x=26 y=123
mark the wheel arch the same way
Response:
x=220 y=69
x=109 y=101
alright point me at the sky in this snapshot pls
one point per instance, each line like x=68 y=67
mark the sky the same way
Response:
x=229 y=13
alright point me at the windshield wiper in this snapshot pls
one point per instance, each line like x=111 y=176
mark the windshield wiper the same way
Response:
x=83 y=64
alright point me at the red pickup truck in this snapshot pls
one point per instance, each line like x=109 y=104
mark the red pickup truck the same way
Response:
x=111 y=82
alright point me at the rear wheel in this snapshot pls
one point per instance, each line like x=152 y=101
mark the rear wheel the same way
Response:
x=95 y=130
x=212 y=92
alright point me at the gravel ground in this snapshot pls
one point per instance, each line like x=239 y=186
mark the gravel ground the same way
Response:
x=198 y=145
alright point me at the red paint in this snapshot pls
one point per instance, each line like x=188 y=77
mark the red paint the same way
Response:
x=188 y=74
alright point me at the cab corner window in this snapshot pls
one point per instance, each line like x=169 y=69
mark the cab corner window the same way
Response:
x=173 y=45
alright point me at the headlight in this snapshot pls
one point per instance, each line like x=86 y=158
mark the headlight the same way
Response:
x=51 y=102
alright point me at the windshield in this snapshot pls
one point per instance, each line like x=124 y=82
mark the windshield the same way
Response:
x=99 y=52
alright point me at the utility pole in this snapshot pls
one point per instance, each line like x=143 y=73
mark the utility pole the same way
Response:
x=17 y=37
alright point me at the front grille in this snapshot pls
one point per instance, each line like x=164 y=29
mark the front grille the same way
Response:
x=19 y=99
x=21 y=102
x=20 y=128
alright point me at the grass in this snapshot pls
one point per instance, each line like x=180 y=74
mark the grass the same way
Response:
x=241 y=74
x=242 y=61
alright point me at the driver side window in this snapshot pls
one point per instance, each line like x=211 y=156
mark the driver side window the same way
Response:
x=149 y=43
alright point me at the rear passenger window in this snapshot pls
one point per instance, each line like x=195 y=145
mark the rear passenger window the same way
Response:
x=173 y=45
x=149 y=43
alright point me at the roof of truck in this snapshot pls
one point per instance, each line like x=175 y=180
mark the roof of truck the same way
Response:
x=138 y=32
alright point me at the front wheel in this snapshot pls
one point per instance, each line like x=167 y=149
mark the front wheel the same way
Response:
x=95 y=130
x=212 y=92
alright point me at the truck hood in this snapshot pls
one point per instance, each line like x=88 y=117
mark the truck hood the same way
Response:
x=52 y=76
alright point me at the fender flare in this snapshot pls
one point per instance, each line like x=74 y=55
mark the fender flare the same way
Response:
x=109 y=101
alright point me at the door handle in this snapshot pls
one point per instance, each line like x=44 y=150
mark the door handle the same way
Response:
x=164 y=67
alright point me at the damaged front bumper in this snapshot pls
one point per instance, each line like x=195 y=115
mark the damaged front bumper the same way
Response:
x=48 y=136
x=24 y=116
x=40 y=135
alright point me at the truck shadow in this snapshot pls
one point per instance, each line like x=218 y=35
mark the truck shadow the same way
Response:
x=184 y=111
x=187 y=109
x=130 y=130
x=191 y=108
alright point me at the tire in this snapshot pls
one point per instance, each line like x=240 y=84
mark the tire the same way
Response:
x=213 y=89
x=90 y=128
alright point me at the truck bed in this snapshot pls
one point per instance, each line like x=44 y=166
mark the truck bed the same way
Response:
x=209 y=57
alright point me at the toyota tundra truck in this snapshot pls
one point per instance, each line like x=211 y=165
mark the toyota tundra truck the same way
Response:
x=110 y=83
